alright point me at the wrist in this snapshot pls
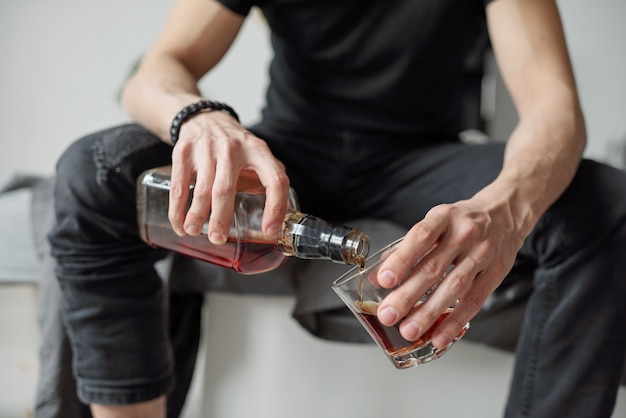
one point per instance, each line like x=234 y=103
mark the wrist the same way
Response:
x=521 y=204
x=194 y=108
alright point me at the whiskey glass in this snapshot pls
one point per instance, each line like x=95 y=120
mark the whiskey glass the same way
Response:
x=359 y=290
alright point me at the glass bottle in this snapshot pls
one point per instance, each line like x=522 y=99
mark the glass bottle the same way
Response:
x=247 y=250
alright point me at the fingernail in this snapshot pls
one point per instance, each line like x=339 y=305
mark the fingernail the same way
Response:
x=272 y=230
x=386 y=278
x=192 y=229
x=388 y=316
x=410 y=331
x=217 y=238
x=441 y=340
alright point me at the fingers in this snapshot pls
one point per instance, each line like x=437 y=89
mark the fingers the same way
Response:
x=269 y=173
x=463 y=289
x=418 y=242
x=415 y=265
x=180 y=180
x=188 y=217
x=466 y=308
x=273 y=177
x=452 y=258
x=405 y=299
x=220 y=201
x=215 y=159
x=276 y=205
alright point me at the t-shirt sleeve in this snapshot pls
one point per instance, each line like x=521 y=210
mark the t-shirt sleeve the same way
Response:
x=241 y=7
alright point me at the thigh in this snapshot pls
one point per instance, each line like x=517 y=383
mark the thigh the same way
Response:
x=590 y=209
x=112 y=298
x=404 y=189
x=397 y=179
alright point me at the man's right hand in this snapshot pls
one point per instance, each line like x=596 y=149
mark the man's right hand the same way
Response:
x=213 y=149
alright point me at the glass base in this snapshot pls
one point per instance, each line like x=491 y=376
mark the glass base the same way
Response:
x=422 y=354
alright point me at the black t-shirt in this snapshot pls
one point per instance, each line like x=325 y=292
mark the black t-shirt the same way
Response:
x=390 y=67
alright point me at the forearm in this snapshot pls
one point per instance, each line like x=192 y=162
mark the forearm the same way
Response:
x=195 y=38
x=545 y=149
x=156 y=92
x=541 y=157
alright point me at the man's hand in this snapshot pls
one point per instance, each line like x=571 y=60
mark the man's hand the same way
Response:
x=478 y=238
x=213 y=149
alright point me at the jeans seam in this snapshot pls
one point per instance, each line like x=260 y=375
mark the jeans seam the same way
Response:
x=529 y=383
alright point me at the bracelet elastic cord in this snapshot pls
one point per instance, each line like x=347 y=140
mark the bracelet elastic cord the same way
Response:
x=194 y=108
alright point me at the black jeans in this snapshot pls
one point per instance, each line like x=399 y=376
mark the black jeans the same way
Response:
x=571 y=349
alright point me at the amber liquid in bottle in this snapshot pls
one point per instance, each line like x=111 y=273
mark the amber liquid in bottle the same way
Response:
x=243 y=256
x=247 y=250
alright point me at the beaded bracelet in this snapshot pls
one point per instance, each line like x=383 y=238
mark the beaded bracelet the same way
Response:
x=194 y=108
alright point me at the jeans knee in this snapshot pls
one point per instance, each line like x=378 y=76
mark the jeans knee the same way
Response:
x=95 y=181
x=100 y=155
x=587 y=213
x=95 y=195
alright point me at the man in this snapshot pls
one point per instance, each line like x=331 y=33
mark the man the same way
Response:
x=362 y=119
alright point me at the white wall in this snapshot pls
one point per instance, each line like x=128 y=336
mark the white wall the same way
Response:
x=595 y=34
x=63 y=61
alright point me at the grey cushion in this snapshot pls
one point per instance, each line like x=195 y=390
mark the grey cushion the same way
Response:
x=18 y=258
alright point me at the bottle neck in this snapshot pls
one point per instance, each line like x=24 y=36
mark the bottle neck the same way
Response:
x=306 y=236
x=356 y=247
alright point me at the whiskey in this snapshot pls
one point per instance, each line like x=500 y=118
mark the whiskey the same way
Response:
x=243 y=256
x=247 y=250
x=389 y=337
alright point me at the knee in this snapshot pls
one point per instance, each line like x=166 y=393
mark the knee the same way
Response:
x=77 y=158
x=600 y=189
x=99 y=155
x=108 y=162
x=589 y=212
x=95 y=190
